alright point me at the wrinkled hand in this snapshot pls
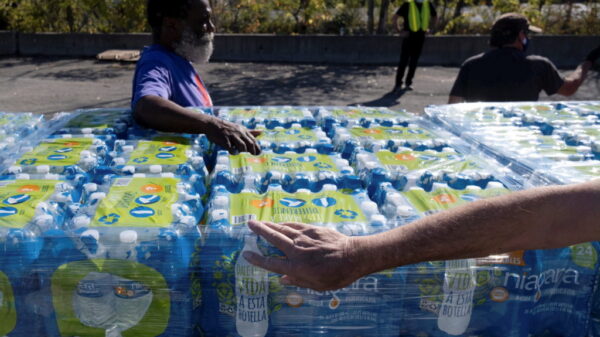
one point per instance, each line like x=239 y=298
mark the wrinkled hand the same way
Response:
x=233 y=137
x=593 y=55
x=316 y=257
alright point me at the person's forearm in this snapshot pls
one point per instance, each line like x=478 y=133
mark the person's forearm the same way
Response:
x=163 y=115
x=455 y=99
x=575 y=79
x=535 y=219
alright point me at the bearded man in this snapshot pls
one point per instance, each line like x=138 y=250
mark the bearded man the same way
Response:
x=165 y=80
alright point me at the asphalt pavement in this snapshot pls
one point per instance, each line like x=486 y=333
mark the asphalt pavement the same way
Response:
x=49 y=85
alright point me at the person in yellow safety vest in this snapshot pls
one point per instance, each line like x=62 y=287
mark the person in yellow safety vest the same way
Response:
x=419 y=16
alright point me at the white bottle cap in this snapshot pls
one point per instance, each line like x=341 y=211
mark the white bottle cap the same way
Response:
x=494 y=184
x=155 y=168
x=90 y=187
x=23 y=176
x=97 y=196
x=311 y=151
x=220 y=201
x=128 y=236
x=329 y=187
x=43 y=169
x=119 y=161
x=369 y=207
x=92 y=233
x=303 y=190
x=404 y=211
x=81 y=221
x=219 y=214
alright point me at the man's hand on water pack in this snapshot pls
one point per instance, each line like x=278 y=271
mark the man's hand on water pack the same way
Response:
x=233 y=137
x=315 y=257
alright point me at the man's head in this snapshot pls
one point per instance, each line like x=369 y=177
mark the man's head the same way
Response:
x=511 y=28
x=184 y=26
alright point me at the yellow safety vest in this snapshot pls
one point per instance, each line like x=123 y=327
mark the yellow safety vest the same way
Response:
x=416 y=21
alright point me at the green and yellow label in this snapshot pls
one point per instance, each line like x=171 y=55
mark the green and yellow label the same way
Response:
x=584 y=255
x=8 y=312
x=96 y=120
x=273 y=113
x=66 y=282
x=368 y=113
x=161 y=151
x=19 y=199
x=137 y=202
x=388 y=133
x=294 y=134
x=325 y=207
x=416 y=160
x=285 y=163
x=56 y=152
x=447 y=198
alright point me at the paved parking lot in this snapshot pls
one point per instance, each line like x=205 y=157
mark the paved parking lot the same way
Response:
x=57 y=84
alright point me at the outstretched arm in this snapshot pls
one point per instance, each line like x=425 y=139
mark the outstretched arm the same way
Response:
x=161 y=114
x=323 y=259
x=575 y=79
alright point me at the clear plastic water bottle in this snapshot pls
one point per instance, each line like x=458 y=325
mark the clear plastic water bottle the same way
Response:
x=251 y=292
x=93 y=302
x=457 y=305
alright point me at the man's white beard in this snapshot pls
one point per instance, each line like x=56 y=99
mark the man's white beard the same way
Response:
x=193 y=48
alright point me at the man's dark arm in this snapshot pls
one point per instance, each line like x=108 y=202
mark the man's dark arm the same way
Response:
x=163 y=115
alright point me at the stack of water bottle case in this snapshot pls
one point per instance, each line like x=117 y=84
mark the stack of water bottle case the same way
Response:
x=109 y=229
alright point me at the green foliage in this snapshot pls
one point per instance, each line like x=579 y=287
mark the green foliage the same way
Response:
x=74 y=16
x=299 y=16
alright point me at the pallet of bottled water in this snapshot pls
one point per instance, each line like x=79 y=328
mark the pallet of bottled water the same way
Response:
x=554 y=142
x=110 y=229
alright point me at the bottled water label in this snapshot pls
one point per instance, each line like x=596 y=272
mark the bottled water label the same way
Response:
x=251 y=291
x=99 y=121
x=160 y=154
x=144 y=202
x=326 y=207
x=19 y=201
x=54 y=155
x=106 y=301
x=8 y=315
x=443 y=198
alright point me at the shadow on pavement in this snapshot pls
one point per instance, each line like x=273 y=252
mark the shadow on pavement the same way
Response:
x=390 y=99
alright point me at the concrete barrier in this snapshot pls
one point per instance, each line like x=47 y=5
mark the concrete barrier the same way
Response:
x=564 y=51
x=8 y=43
x=78 y=45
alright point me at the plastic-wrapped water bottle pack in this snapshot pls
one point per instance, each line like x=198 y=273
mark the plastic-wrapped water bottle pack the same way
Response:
x=270 y=117
x=66 y=156
x=127 y=270
x=99 y=122
x=295 y=138
x=376 y=137
x=242 y=300
x=350 y=117
x=175 y=154
x=309 y=170
x=32 y=209
x=555 y=142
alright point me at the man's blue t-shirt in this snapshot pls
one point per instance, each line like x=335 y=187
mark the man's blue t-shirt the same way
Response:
x=162 y=73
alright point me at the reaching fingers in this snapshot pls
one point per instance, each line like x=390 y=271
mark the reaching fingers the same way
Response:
x=256 y=133
x=276 y=265
x=251 y=144
x=278 y=239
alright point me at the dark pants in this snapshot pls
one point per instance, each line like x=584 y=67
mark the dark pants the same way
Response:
x=411 y=51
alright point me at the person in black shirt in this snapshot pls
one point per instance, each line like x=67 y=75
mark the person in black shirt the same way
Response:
x=418 y=17
x=505 y=73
